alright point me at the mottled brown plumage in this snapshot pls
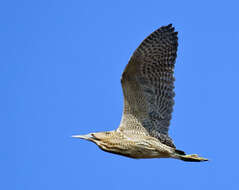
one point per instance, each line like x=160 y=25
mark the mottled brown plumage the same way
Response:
x=148 y=84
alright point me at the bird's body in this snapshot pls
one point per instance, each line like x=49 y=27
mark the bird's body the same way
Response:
x=134 y=146
x=148 y=84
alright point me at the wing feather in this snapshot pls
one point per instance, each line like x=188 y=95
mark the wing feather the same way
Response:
x=148 y=84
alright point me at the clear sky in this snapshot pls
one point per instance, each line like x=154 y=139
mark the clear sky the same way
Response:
x=60 y=69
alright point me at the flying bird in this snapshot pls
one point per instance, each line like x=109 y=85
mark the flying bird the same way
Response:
x=148 y=88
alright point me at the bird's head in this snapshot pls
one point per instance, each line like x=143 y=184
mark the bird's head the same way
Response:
x=103 y=139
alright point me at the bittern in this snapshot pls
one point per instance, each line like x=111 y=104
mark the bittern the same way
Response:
x=148 y=87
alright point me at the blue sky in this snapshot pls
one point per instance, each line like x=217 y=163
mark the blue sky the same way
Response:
x=60 y=65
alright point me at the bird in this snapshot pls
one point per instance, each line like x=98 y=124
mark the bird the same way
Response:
x=148 y=88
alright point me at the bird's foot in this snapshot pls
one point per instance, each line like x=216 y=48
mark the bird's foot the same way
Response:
x=193 y=158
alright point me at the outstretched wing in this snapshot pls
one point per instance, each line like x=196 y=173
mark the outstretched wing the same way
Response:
x=148 y=84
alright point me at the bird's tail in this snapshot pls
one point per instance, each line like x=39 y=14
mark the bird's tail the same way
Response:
x=190 y=157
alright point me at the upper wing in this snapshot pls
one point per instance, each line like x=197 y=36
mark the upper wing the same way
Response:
x=148 y=84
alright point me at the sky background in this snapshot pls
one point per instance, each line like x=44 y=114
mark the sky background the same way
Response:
x=60 y=68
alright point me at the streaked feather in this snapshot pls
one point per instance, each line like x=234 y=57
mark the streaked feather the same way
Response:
x=148 y=84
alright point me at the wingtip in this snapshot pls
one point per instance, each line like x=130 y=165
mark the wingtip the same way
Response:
x=170 y=25
x=168 y=28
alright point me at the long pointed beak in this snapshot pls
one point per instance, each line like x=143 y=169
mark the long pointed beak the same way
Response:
x=87 y=137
